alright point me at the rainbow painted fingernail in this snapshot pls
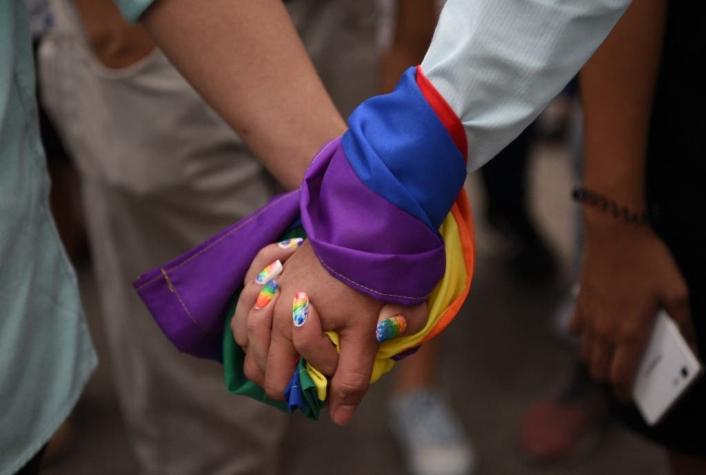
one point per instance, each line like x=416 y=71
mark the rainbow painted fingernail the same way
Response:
x=266 y=294
x=300 y=309
x=293 y=243
x=390 y=327
x=269 y=272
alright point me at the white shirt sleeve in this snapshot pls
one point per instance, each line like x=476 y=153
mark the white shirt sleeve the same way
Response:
x=499 y=62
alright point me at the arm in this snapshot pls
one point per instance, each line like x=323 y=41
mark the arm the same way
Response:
x=491 y=68
x=499 y=62
x=627 y=271
x=248 y=62
x=495 y=62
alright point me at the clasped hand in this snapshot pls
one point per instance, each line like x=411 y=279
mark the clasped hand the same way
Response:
x=288 y=303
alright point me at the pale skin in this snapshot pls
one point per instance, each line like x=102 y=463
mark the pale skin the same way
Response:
x=628 y=272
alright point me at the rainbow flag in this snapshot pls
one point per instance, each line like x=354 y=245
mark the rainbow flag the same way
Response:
x=384 y=209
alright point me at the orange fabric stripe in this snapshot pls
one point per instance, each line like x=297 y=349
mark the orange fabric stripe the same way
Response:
x=464 y=217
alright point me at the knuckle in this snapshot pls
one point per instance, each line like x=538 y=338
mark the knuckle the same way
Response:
x=351 y=390
x=252 y=324
x=262 y=254
x=282 y=318
x=678 y=297
x=252 y=371
x=629 y=333
x=241 y=340
x=274 y=390
x=301 y=342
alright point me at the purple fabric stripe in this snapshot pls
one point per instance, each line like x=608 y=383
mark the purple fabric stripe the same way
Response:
x=364 y=240
x=188 y=295
x=361 y=238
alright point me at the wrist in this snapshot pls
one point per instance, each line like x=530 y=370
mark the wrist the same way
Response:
x=598 y=206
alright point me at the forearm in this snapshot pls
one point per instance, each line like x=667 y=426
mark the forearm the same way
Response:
x=246 y=59
x=617 y=87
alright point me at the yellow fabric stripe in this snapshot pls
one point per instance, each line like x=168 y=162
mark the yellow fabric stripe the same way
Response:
x=450 y=287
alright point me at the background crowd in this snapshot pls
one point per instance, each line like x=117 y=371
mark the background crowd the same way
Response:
x=143 y=169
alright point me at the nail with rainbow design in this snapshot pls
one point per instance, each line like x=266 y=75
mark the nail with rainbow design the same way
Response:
x=300 y=309
x=293 y=243
x=269 y=272
x=390 y=327
x=266 y=294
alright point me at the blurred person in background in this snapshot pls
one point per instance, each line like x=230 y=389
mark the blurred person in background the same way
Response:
x=643 y=106
x=161 y=171
x=628 y=140
x=529 y=257
x=630 y=270
x=64 y=196
x=569 y=422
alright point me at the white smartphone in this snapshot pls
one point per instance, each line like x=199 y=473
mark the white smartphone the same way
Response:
x=667 y=369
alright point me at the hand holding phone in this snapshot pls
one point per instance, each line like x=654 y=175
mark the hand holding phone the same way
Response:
x=667 y=369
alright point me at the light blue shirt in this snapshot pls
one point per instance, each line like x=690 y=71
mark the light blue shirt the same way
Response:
x=46 y=355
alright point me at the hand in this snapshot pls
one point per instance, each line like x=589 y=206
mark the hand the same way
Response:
x=116 y=43
x=628 y=274
x=273 y=342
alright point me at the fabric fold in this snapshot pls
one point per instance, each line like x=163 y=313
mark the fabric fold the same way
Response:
x=372 y=205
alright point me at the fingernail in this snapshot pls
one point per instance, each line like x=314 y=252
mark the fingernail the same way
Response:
x=291 y=243
x=269 y=272
x=390 y=327
x=266 y=294
x=300 y=309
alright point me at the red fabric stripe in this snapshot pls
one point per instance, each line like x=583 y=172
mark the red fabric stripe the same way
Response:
x=444 y=112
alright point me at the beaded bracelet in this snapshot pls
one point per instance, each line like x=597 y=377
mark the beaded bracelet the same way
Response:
x=622 y=213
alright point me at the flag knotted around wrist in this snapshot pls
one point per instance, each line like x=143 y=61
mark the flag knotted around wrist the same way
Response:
x=384 y=210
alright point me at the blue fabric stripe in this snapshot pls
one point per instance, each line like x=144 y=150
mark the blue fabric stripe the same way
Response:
x=400 y=149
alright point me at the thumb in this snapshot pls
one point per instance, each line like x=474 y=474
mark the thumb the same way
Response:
x=398 y=320
x=355 y=365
